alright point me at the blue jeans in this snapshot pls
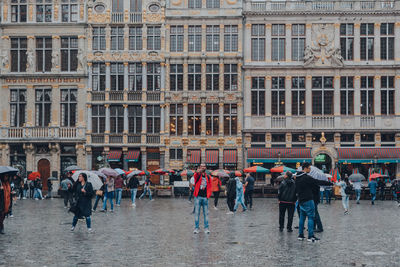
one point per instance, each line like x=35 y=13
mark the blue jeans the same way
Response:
x=307 y=209
x=133 y=195
x=200 y=202
x=358 y=194
x=373 y=197
x=88 y=222
x=191 y=194
x=145 y=192
x=38 y=193
x=118 y=197
x=321 y=196
x=328 y=194
x=97 y=201
x=239 y=200
x=108 y=196
x=345 y=202
x=25 y=193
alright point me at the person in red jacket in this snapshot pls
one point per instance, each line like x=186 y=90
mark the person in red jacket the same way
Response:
x=202 y=192
x=216 y=188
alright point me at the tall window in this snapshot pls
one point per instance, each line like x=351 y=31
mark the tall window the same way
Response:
x=212 y=4
x=135 y=76
x=136 y=5
x=43 y=10
x=176 y=119
x=99 y=77
x=194 y=4
x=230 y=119
x=153 y=38
x=18 y=54
x=176 y=39
x=194 y=77
x=212 y=77
x=258 y=96
x=367 y=41
x=212 y=119
x=322 y=95
x=116 y=119
x=278 y=96
x=298 y=41
x=98 y=119
x=69 y=99
x=387 y=95
x=231 y=38
x=230 y=77
x=43 y=54
x=69 y=53
x=17 y=107
x=135 y=119
x=118 y=5
x=69 y=10
x=347 y=95
x=347 y=40
x=298 y=96
x=99 y=38
x=153 y=119
x=212 y=38
x=18 y=10
x=117 y=38
x=194 y=119
x=135 y=38
x=117 y=77
x=194 y=38
x=176 y=77
x=387 y=41
x=367 y=95
x=153 y=77
x=258 y=42
x=278 y=42
x=175 y=154
x=43 y=107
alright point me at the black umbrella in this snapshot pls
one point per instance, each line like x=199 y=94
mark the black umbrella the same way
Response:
x=356 y=177
x=8 y=170
x=72 y=168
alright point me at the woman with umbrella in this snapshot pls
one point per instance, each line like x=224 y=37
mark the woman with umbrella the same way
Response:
x=372 y=186
x=109 y=194
x=5 y=199
x=84 y=193
x=146 y=188
x=345 y=190
x=356 y=180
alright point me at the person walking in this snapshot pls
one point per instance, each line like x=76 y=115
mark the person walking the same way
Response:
x=239 y=195
x=31 y=189
x=84 y=193
x=146 y=188
x=25 y=189
x=133 y=184
x=49 y=188
x=381 y=186
x=191 y=189
x=99 y=195
x=396 y=189
x=38 y=189
x=345 y=191
x=248 y=194
x=66 y=185
x=357 y=189
x=287 y=200
x=109 y=194
x=304 y=189
x=216 y=188
x=231 y=192
x=202 y=192
x=372 y=190
x=119 y=184
x=5 y=199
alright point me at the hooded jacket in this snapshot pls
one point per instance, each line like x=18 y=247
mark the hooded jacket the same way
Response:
x=305 y=185
x=197 y=183
x=287 y=191
x=231 y=188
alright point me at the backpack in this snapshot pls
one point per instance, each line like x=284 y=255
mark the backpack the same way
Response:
x=348 y=190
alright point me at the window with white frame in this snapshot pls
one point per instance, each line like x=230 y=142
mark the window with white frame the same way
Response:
x=212 y=119
x=18 y=54
x=212 y=3
x=230 y=119
x=387 y=95
x=99 y=38
x=69 y=53
x=43 y=54
x=230 y=77
x=278 y=96
x=17 y=107
x=387 y=41
x=367 y=41
x=258 y=96
x=69 y=100
x=117 y=38
x=18 y=10
x=116 y=119
x=212 y=77
x=347 y=95
x=176 y=77
x=298 y=41
x=194 y=77
x=176 y=39
x=176 y=119
x=153 y=119
x=322 y=95
x=43 y=107
x=69 y=10
x=194 y=119
x=135 y=72
x=231 y=38
x=212 y=38
x=44 y=10
x=278 y=42
x=367 y=95
x=98 y=119
x=194 y=3
x=194 y=38
x=135 y=38
x=153 y=77
x=135 y=119
x=258 y=42
x=347 y=40
x=117 y=77
x=99 y=77
x=153 y=38
x=298 y=96
x=175 y=154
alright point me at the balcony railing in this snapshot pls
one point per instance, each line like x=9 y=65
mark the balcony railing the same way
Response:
x=43 y=133
x=278 y=122
x=153 y=96
x=153 y=139
x=98 y=96
x=134 y=139
x=135 y=17
x=67 y=133
x=117 y=17
x=98 y=138
x=135 y=96
x=116 y=95
x=367 y=122
x=116 y=139
x=323 y=122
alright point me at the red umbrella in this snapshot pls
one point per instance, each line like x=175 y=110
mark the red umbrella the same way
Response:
x=375 y=176
x=238 y=173
x=161 y=171
x=147 y=173
x=33 y=176
x=256 y=169
x=281 y=169
x=187 y=173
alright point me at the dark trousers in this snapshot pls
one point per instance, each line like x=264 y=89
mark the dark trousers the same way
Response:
x=282 y=210
x=216 y=196
x=31 y=190
x=231 y=203
x=2 y=217
x=67 y=197
x=318 y=222
x=248 y=198
x=382 y=193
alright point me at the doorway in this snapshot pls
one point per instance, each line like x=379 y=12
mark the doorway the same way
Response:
x=323 y=162
x=44 y=170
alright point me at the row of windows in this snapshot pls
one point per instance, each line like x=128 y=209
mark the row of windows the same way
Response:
x=177 y=153
x=322 y=95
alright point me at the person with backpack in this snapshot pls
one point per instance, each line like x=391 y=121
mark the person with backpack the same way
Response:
x=287 y=200
x=133 y=184
x=231 y=192
x=345 y=190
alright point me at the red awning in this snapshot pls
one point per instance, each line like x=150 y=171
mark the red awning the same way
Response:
x=369 y=153
x=275 y=153
x=212 y=157
x=132 y=155
x=230 y=156
x=194 y=156
x=114 y=155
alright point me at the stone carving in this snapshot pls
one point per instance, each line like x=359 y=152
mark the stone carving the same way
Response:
x=81 y=59
x=322 y=52
x=30 y=63
x=54 y=60
x=4 y=59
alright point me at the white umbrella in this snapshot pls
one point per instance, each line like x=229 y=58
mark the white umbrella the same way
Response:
x=316 y=173
x=94 y=179
x=328 y=175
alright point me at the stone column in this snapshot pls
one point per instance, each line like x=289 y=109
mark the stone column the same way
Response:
x=185 y=38
x=144 y=119
x=107 y=106
x=239 y=119
x=203 y=74
x=55 y=106
x=126 y=76
x=185 y=119
x=126 y=124
x=162 y=76
x=288 y=100
x=167 y=121
x=90 y=76
x=357 y=101
x=162 y=119
x=247 y=40
x=185 y=75
x=144 y=77
x=377 y=43
x=308 y=102
x=268 y=95
x=288 y=48
x=203 y=119
x=30 y=106
x=55 y=56
x=108 y=38
x=397 y=41
x=221 y=119
x=397 y=95
x=377 y=101
x=247 y=102
x=336 y=101
x=30 y=54
x=308 y=34
x=126 y=37
x=89 y=158
x=89 y=118
x=220 y=157
x=356 y=42
x=143 y=154
x=268 y=42
x=108 y=76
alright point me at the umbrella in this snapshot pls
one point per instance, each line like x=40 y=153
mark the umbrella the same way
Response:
x=316 y=173
x=8 y=170
x=100 y=174
x=257 y=169
x=120 y=171
x=375 y=176
x=52 y=179
x=147 y=173
x=187 y=173
x=94 y=179
x=133 y=173
x=238 y=173
x=328 y=176
x=281 y=169
x=109 y=172
x=280 y=178
x=33 y=176
x=72 y=168
x=161 y=171
x=220 y=173
x=356 y=177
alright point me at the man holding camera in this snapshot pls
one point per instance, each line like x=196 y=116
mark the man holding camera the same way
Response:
x=202 y=192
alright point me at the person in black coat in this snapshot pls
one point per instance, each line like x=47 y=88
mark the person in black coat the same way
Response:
x=231 y=192
x=287 y=200
x=84 y=192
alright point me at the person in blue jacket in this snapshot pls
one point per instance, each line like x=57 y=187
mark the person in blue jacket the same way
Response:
x=372 y=190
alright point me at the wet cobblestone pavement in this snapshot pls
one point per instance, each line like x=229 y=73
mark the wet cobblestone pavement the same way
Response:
x=160 y=233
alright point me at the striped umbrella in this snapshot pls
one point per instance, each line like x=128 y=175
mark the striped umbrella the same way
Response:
x=147 y=173
x=161 y=171
x=256 y=169
x=281 y=169
x=356 y=171
x=220 y=173
x=336 y=175
x=187 y=173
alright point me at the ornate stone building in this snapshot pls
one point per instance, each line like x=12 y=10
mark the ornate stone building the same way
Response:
x=321 y=84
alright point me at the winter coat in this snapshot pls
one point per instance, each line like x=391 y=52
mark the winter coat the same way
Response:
x=372 y=187
x=306 y=185
x=197 y=184
x=5 y=197
x=231 y=188
x=239 y=189
x=287 y=191
x=119 y=182
x=343 y=186
x=84 y=200
x=133 y=183
x=110 y=185
x=215 y=184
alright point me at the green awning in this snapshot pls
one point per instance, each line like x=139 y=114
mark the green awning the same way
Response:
x=276 y=160
x=372 y=161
